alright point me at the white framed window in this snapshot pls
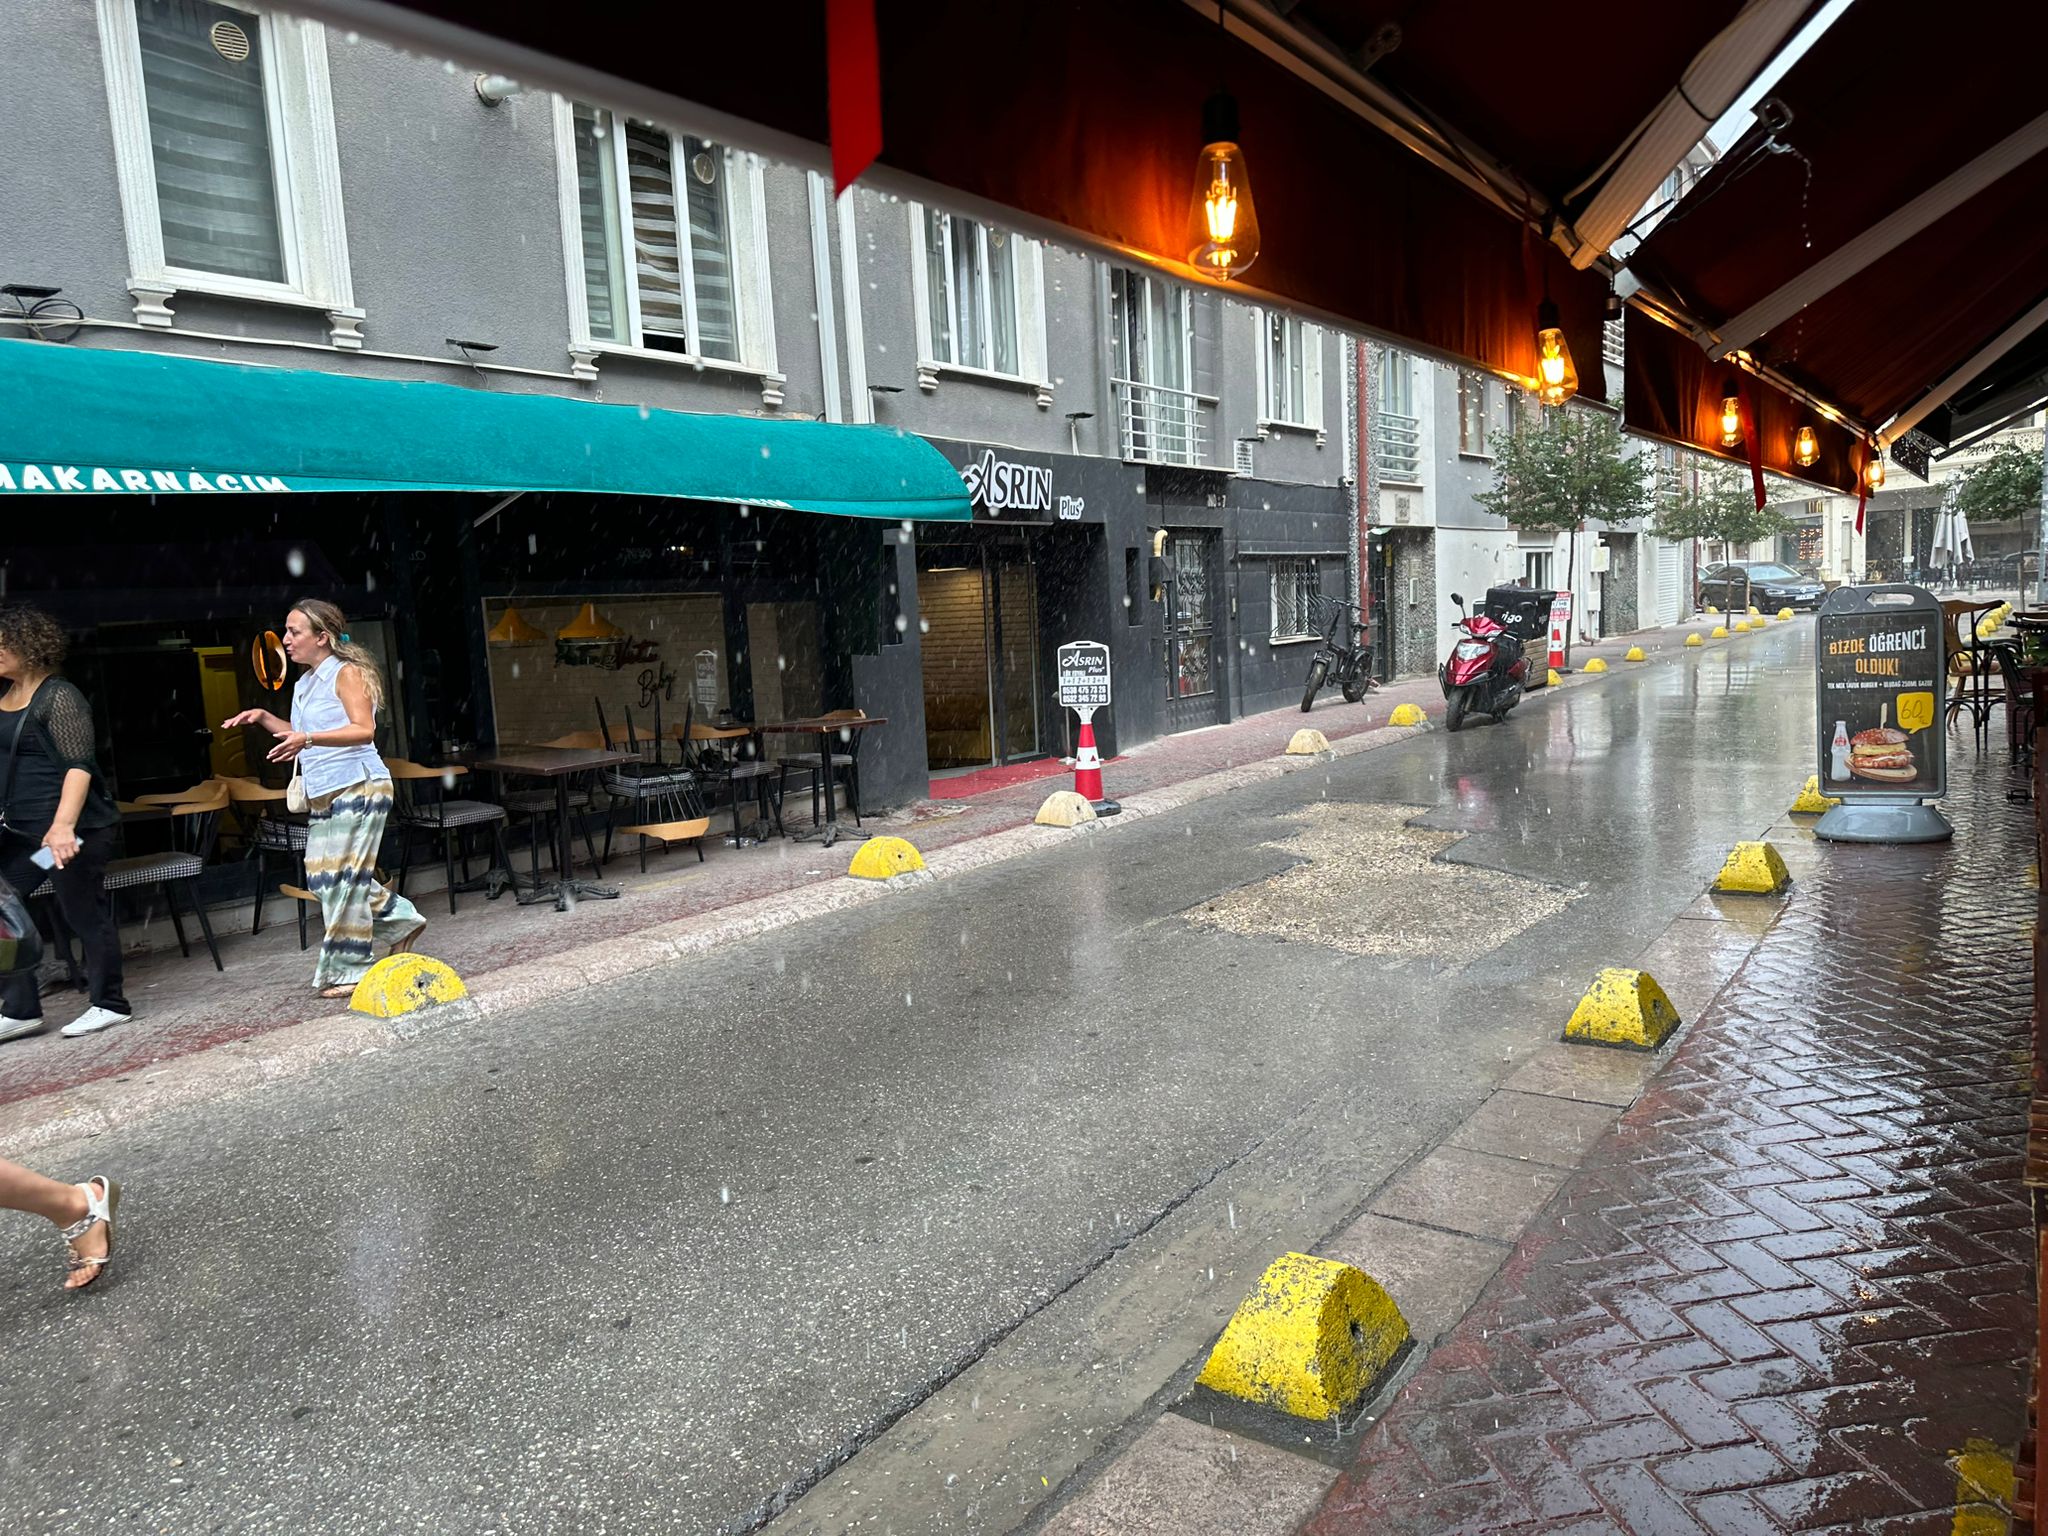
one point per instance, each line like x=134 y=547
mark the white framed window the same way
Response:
x=1297 y=590
x=667 y=247
x=1397 y=382
x=1536 y=564
x=1475 y=415
x=225 y=153
x=1152 y=329
x=979 y=294
x=1290 y=372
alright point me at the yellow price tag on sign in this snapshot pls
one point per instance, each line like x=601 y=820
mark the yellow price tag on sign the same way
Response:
x=1916 y=711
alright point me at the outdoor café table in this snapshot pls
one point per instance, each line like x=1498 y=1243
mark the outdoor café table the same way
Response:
x=826 y=728
x=559 y=764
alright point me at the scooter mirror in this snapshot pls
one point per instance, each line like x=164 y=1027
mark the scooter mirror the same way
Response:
x=1458 y=598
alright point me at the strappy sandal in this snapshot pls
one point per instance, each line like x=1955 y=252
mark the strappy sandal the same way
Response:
x=338 y=993
x=100 y=1207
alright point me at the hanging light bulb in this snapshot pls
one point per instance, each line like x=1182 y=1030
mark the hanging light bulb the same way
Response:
x=1873 y=468
x=1806 y=447
x=1556 y=379
x=1731 y=421
x=1223 y=227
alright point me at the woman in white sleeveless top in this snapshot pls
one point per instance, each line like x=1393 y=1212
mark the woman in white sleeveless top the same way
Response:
x=332 y=735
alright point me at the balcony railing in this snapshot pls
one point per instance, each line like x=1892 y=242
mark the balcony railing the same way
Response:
x=1159 y=425
x=1397 y=447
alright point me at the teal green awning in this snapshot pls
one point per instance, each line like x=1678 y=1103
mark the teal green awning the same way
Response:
x=97 y=421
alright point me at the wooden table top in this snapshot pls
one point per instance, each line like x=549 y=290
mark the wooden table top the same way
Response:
x=549 y=762
x=699 y=731
x=818 y=725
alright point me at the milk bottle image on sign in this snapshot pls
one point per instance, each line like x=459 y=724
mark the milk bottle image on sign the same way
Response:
x=1838 y=756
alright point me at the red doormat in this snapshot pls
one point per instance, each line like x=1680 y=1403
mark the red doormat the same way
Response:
x=982 y=780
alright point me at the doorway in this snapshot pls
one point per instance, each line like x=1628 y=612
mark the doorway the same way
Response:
x=1192 y=696
x=979 y=604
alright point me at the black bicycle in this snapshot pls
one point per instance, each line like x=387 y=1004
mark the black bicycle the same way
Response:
x=1342 y=657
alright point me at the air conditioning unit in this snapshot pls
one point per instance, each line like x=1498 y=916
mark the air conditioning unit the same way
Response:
x=1243 y=462
x=1404 y=509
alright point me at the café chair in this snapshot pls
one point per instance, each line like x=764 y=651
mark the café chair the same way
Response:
x=717 y=755
x=425 y=809
x=845 y=763
x=1971 y=664
x=650 y=791
x=195 y=824
x=271 y=832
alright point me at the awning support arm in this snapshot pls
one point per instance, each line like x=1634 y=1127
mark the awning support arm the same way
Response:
x=1929 y=208
x=2003 y=343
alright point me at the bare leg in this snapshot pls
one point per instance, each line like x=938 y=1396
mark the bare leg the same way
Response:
x=23 y=1189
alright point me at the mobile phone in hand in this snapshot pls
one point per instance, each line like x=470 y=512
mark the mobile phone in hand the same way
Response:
x=42 y=858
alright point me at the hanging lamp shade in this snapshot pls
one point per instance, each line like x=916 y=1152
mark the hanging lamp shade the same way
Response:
x=589 y=625
x=513 y=629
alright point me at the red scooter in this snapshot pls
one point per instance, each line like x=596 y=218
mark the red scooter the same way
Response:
x=1487 y=671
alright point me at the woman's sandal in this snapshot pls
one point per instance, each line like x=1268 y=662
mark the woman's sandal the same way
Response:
x=339 y=992
x=100 y=1207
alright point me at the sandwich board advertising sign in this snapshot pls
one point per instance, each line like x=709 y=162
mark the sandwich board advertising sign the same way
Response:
x=1882 y=679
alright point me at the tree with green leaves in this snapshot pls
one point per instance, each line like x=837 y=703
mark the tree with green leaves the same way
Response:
x=2001 y=487
x=1562 y=468
x=1719 y=507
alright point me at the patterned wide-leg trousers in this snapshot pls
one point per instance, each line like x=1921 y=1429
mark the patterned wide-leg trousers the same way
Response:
x=344 y=831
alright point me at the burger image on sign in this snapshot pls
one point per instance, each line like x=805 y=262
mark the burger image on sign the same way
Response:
x=1881 y=753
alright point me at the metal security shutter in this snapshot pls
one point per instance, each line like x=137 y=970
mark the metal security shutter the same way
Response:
x=1670 y=586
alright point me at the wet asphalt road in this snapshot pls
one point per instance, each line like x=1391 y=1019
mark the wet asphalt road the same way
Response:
x=647 y=1262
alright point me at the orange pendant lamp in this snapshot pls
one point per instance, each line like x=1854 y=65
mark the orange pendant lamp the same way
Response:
x=589 y=625
x=513 y=629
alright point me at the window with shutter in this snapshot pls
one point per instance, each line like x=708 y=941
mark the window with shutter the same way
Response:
x=225 y=152
x=666 y=256
x=1293 y=372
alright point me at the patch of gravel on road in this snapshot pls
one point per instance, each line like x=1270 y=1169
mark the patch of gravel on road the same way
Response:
x=1371 y=884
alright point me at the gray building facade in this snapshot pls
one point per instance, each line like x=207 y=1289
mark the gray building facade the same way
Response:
x=1151 y=465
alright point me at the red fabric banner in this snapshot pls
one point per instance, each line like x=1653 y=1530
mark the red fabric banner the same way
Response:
x=1752 y=440
x=853 y=61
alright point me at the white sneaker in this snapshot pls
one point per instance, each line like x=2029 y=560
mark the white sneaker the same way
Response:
x=14 y=1029
x=91 y=1021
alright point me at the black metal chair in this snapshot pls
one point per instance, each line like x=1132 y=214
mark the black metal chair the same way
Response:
x=538 y=804
x=431 y=811
x=648 y=791
x=269 y=831
x=195 y=824
x=846 y=763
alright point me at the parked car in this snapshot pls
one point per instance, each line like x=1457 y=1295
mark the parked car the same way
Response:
x=1758 y=583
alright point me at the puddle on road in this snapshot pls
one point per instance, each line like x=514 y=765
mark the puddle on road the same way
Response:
x=1371 y=885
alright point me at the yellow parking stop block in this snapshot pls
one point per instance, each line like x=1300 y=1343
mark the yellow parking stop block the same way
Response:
x=1740 y=626
x=1720 y=632
x=1634 y=653
x=1712 y=609
x=1595 y=665
x=401 y=984
x=1756 y=868
x=1753 y=613
x=884 y=858
x=1407 y=714
x=1694 y=639
x=1553 y=679
x=1625 y=1008
x=1307 y=743
x=1311 y=1340
x=1811 y=801
x=1064 y=808
x=1785 y=613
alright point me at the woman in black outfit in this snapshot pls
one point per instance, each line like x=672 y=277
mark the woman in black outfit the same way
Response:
x=51 y=797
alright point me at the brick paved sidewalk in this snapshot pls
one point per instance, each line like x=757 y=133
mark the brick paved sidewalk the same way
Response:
x=1792 y=1287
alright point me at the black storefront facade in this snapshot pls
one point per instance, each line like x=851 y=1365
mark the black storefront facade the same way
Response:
x=1175 y=569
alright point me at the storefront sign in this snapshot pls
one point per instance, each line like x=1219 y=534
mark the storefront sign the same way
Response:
x=1882 y=679
x=1084 y=677
x=1002 y=485
x=93 y=480
x=1561 y=630
x=1072 y=508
